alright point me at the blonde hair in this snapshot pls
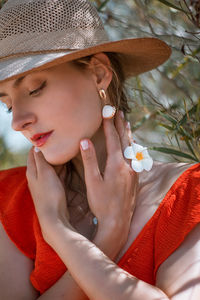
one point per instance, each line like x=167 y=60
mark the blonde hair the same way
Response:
x=118 y=97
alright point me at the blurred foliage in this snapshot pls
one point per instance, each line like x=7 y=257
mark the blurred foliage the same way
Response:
x=166 y=105
x=166 y=101
x=9 y=159
x=2 y=2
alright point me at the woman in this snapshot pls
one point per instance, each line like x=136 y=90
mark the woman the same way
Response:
x=79 y=221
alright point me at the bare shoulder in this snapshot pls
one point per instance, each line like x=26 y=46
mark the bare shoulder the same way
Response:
x=159 y=180
x=153 y=186
x=165 y=171
x=156 y=183
x=15 y=269
x=179 y=275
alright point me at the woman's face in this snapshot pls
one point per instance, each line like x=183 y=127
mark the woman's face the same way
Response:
x=68 y=104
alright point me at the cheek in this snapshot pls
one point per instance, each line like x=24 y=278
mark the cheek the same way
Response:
x=79 y=108
x=75 y=114
x=89 y=111
x=74 y=99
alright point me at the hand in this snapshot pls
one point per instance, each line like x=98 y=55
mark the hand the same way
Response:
x=111 y=197
x=46 y=184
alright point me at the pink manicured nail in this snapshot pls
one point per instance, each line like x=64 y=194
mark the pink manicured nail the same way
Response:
x=128 y=125
x=36 y=149
x=122 y=114
x=84 y=144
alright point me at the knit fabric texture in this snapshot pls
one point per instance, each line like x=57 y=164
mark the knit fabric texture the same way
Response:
x=176 y=216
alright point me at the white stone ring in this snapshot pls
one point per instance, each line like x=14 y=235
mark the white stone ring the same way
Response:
x=140 y=158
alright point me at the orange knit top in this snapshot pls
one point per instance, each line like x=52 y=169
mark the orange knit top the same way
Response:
x=175 y=217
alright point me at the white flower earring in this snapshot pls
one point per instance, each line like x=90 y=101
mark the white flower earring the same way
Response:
x=108 y=110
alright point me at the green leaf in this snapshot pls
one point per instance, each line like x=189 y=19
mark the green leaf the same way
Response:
x=102 y=5
x=183 y=132
x=169 y=118
x=190 y=112
x=184 y=63
x=166 y=126
x=139 y=84
x=190 y=148
x=169 y=4
x=173 y=151
x=176 y=137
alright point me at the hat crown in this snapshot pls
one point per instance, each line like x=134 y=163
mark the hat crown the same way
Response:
x=48 y=25
x=13 y=3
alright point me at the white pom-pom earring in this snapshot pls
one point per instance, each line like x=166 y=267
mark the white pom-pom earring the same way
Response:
x=108 y=110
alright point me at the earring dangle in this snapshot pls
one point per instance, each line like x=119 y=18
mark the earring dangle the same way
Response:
x=108 y=110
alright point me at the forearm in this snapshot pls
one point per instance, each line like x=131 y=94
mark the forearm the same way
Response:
x=92 y=269
x=67 y=287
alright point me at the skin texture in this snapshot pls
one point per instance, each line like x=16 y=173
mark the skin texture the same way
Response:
x=66 y=115
x=60 y=106
x=71 y=122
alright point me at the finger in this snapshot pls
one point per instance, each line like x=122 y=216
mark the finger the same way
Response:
x=91 y=167
x=58 y=169
x=31 y=164
x=62 y=174
x=41 y=164
x=124 y=133
x=129 y=132
x=113 y=144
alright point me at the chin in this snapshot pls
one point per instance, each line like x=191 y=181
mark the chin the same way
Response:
x=58 y=158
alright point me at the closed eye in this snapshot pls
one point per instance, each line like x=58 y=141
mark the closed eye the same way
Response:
x=40 y=88
x=31 y=93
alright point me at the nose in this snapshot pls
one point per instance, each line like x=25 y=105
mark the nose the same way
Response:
x=22 y=120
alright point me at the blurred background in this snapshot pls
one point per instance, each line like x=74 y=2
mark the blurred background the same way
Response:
x=165 y=102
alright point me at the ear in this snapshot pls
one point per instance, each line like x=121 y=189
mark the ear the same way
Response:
x=101 y=73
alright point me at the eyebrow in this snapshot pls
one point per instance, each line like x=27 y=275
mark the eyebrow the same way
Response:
x=15 y=84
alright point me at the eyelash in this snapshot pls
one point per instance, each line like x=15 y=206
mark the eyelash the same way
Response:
x=31 y=93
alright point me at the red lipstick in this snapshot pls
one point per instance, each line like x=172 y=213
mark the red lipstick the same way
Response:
x=40 y=138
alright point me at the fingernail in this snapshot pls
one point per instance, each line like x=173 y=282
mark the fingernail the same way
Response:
x=36 y=149
x=128 y=125
x=122 y=114
x=84 y=144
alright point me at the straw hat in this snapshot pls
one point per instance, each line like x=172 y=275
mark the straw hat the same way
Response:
x=38 y=34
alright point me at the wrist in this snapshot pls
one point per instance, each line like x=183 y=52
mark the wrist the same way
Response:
x=110 y=239
x=115 y=227
x=51 y=226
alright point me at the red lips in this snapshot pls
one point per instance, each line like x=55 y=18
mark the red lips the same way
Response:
x=35 y=137
x=40 y=139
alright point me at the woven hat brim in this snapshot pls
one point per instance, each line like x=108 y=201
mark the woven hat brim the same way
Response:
x=138 y=55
